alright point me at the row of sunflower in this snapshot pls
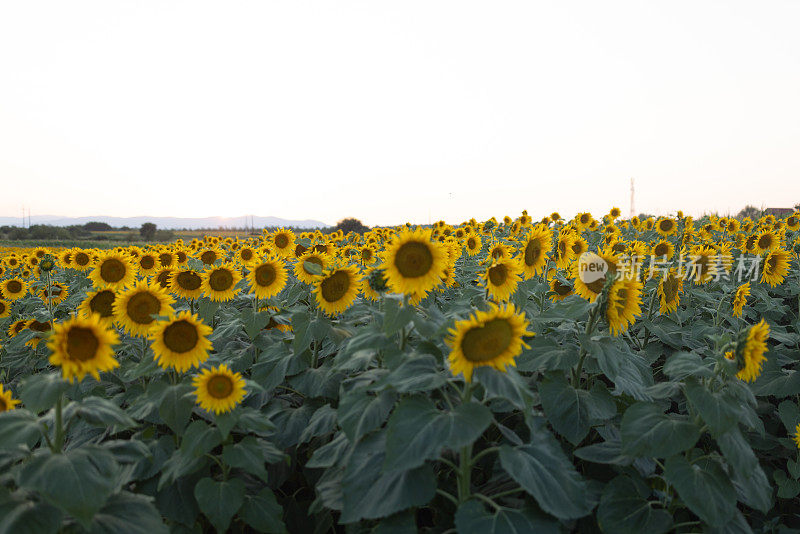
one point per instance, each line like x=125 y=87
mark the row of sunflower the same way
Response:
x=461 y=370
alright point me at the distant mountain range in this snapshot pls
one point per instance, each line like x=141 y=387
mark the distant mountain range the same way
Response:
x=245 y=221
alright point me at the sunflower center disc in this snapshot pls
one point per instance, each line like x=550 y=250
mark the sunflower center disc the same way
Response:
x=764 y=241
x=666 y=226
x=165 y=259
x=81 y=258
x=220 y=386
x=413 y=259
x=163 y=278
x=265 y=275
x=661 y=249
x=112 y=270
x=2 y=307
x=486 y=342
x=498 y=274
x=103 y=303
x=247 y=254
x=38 y=326
x=208 y=257
x=220 y=280
x=189 y=280
x=335 y=286
x=281 y=241
x=180 y=336
x=14 y=286
x=471 y=243
x=773 y=263
x=142 y=306
x=81 y=344
x=147 y=262
x=671 y=288
x=532 y=252
x=561 y=289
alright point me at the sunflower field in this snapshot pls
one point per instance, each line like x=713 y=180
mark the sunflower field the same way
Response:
x=562 y=375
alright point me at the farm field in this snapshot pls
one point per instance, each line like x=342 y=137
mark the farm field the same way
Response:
x=591 y=374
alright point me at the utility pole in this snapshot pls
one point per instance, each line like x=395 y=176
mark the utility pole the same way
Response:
x=633 y=209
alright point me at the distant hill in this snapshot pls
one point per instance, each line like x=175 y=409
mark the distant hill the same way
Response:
x=168 y=222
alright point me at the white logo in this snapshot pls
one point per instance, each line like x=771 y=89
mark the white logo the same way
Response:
x=591 y=267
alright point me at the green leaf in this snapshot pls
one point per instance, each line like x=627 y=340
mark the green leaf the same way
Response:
x=360 y=412
x=572 y=411
x=718 y=410
x=78 y=481
x=322 y=422
x=246 y=455
x=176 y=407
x=509 y=386
x=754 y=489
x=704 y=487
x=18 y=427
x=629 y=371
x=199 y=439
x=416 y=373
x=472 y=518
x=646 y=431
x=21 y=515
x=417 y=431
x=253 y=321
x=683 y=364
x=737 y=451
x=102 y=412
x=40 y=392
x=624 y=508
x=219 y=500
x=263 y=513
x=329 y=454
x=400 y=523
x=546 y=354
x=396 y=316
x=130 y=513
x=542 y=469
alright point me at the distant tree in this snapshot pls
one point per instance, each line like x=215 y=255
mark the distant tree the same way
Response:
x=749 y=211
x=164 y=235
x=148 y=231
x=351 y=225
x=797 y=206
x=95 y=226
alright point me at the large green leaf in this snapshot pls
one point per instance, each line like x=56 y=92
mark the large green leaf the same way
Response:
x=718 y=410
x=473 y=518
x=176 y=407
x=647 y=431
x=629 y=371
x=359 y=412
x=417 y=431
x=263 y=513
x=704 y=487
x=396 y=316
x=683 y=364
x=572 y=411
x=624 y=508
x=21 y=515
x=543 y=470
x=129 y=513
x=510 y=387
x=219 y=500
x=40 y=392
x=415 y=373
x=18 y=427
x=78 y=481
x=102 y=412
x=246 y=455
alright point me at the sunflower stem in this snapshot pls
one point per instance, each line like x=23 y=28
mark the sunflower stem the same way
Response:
x=59 y=438
x=464 y=473
x=590 y=324
x=50 y=301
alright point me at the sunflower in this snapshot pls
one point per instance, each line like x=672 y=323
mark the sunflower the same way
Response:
x=58 y=293
x=301 y=270
x=473 y=243
x=180 y=342
x=615 y=213
x=135 y=307
x=559 y=291
x=666 y=226
x=283 y=241
x=5 y=308
x=776 y=266
x=17 y=326
x=583 y=220
x=113 y=271
x=534 y=250
x=487 y=338
x=501 y=278
x=163 y=277
x=740 y=299
x=663 y=250
x=186 y=283
x=499 y=251
x=765 y=241
x=40 y=327
x=209 y=255
x=147 y=263
x=246 y=255
x=796 y=436
x=268 y=278
x=749 y=353
x=589 y=272
x=564 y=254
x=413 y=263
x=579 y=246
x=100 y=303
x=14 y=288
x=81 y=259
x=337 y=289
x=624 y=304
x=219 y=389
x=373 y=283
x=83 y=345
x=703 y=264
x=669 y=292
x=219 y=284
x=793 y=222
x=6 y=401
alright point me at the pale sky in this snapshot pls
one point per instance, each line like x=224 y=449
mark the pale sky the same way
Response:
x=397 y=111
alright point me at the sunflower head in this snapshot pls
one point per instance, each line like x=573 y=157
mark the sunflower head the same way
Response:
x=7 y=402
x=180 y=342
x=135 y=308
x=219 y=389
x=219 y=283
x=414 y=262
x=337 y=289
x=81 y=346
x=623 y=304
x=501 y=278
x=268 y=278
x=750 y=349
x=113 y=271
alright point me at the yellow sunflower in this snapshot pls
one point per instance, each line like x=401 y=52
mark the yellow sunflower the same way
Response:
x=624 y=304
x=796 y=436
x=750 y=350
x=337 y=289
x=186 y=283
x=776 y=267
x=163 y=277
x=209 y=255
x=100 y=303
x=473 y=243
x=669 y=291
x=740 y=299
x=166 y=259
x=268 y=278
x=501 y=278
x=413 y=262
x=666 y=226
x=301 y=270
x=147 y=263
x=180 y=342
x=534 y=249
x=663 y=250
x=58 y=293
x=113 y=271
x=135 y=307
x=41 y=328
x=14 y=288
x=6 y=400
x=559 y=291
x=219 y=389
x=17 y=326
x=564 y=254
x=283 y=242
x=246 y=255
x=219 y=283
x=703 y=264
x=499 y=251
x=589 y=283
x=373 y=284
x=81 y=259
x=5 y=308
x=83 y=345
x=488 y=338
x=765 y=241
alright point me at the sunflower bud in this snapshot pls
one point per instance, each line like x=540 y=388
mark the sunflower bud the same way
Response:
x=47 y=263
x=376 y=281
